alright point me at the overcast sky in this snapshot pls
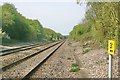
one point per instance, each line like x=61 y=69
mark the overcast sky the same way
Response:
x=61 y=16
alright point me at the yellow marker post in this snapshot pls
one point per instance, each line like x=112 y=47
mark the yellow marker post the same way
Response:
x=111 y=47
x=111 y=51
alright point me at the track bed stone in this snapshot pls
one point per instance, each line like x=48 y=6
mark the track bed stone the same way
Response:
x=59 y=65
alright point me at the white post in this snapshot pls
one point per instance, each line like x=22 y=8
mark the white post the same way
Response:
x=110 y=67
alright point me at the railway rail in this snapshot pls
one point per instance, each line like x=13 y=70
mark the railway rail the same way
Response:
x=14 y=50
x=18 y=56
x=25 y=66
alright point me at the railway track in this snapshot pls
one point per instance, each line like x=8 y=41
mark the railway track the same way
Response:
x=23 y=67
x=14 y=50
x=19 y=56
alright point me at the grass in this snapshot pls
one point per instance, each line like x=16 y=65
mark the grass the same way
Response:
x=75 y=65
x=74 y=69
x=104 y=46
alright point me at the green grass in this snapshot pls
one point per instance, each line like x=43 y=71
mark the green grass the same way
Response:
x=104 y=46
x=75 y=69
x=75 y=65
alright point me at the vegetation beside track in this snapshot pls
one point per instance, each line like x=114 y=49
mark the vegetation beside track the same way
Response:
x=101 y=24
x=16 y=28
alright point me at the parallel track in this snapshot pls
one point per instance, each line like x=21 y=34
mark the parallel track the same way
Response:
x=14 y=50
x=8 y=67
x=23 y=58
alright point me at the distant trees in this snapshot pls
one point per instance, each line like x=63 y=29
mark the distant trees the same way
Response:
x=51 y=35
x=20 y=28
x=102 y=19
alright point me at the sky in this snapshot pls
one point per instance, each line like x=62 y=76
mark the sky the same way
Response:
x=59 y=15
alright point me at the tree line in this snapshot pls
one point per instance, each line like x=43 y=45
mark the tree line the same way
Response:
x=17 y=27
x=101 y=23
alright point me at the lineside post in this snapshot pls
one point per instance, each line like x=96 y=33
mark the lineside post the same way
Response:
x=110 y=67
x=111 y=51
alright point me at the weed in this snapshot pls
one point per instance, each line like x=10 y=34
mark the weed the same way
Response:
x=75 y=69
x=75 y=65
x=98 y=62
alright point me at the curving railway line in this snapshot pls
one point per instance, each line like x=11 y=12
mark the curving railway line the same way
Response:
x=23 y=63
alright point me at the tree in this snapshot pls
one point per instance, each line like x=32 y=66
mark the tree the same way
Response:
x=18 y=27
x=36 y=29
x=51 y=35
x=103 y=19
x=13 y=23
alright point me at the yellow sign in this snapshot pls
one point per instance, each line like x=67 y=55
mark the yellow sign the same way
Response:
x=111 y=47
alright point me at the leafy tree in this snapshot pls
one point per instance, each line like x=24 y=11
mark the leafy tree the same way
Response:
x=51 y=35
x=13 y=23
x=79 y=30
x=59 y=36
x=103 y=19
x=36 y=29
x=18 y=27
